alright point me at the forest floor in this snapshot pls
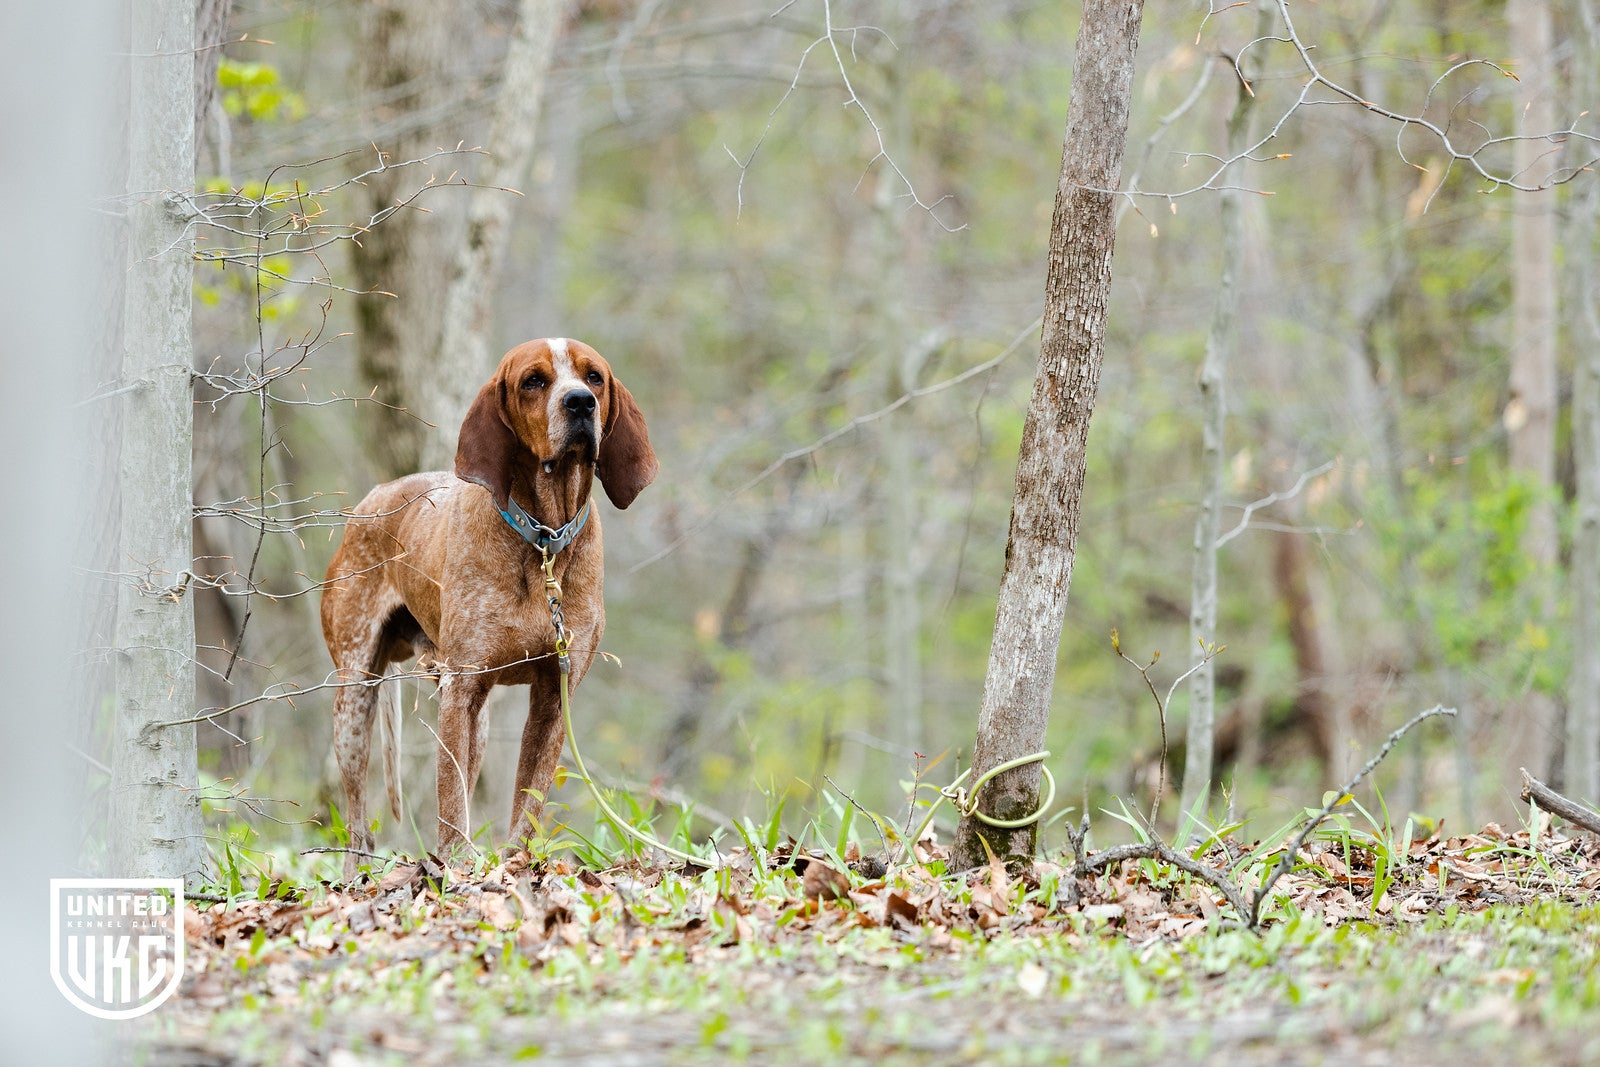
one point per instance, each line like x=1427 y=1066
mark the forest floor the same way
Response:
x=1374 y=949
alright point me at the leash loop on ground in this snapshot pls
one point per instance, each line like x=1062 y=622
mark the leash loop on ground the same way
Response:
x=966 y=800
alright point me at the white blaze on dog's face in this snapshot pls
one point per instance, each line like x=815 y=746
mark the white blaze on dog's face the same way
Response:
x=553 y=398
x=556 y=398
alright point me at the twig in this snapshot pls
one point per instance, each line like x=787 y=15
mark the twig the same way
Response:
x=1287 y=861
x=1209 y=653
x=884 y=841
x=351 y=851
x=1272 y=498
x=1556 y=804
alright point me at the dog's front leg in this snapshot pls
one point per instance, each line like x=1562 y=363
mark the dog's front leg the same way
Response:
x=542 y=738
x=461 y=699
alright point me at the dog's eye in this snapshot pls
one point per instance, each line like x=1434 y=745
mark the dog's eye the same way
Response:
x=534 y=381
x=595 y=378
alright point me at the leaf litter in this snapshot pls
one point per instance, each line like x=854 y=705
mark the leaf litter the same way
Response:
x=430 y=922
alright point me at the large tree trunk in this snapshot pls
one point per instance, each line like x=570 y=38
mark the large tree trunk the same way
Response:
x=465 y=356
x=1049 y=486
x=1530 y=416
x=155 y=796
x=61 y=285
x=210 y=33
x=1583 y=711
x=398 y=263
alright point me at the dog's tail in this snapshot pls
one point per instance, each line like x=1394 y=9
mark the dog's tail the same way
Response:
x=390 y=716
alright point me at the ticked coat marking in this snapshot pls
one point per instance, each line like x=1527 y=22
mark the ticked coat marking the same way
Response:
x=429 y=568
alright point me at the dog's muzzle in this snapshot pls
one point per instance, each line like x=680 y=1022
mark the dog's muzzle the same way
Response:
x=582 y=435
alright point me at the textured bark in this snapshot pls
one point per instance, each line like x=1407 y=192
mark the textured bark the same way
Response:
x=155 y=800
x=1221 y=340
x=1583 y=710
x=1530 y=415
x=465 y=356
x=405 y=44
x=210 y=31
x=1048 y=495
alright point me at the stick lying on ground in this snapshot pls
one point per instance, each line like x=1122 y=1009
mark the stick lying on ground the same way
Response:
x=1556 y=804
x=1248 y=909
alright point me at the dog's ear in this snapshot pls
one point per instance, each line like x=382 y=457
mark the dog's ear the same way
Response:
x=626 y=463
x=487 y=445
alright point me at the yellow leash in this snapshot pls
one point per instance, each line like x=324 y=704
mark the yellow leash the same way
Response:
x=965 y=801
x=563 y=658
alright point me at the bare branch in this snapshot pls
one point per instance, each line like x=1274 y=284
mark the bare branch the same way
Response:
x=1286 y=863
x=1274 y=498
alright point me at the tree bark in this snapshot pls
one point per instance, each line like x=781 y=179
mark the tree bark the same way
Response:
x=1323 y=718
x=63 y=285
x=1530 y=415
x=1583 y=710
x=1220 y=343
x=397 y=264
x=155 y=800
x=1048 y=493
x=464 y=355
x=210 y=33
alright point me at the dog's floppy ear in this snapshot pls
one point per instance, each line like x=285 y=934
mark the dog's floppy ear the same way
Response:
x=626 y=463
x=486 y=447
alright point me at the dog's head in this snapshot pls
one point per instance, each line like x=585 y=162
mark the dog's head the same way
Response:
x=552 y=399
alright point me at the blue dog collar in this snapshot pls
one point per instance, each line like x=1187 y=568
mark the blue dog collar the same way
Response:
x=540 y=536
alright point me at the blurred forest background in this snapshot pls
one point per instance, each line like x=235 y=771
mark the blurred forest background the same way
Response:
x=810 y=238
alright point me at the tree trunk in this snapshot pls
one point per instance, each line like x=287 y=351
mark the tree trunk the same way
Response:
x=63 y=69
x=1048 y=494
x=1322 y=717
x=397 y=264
x=210 y=33
x=465 y=358
x=155 y=800
x=1583 y=712
x=1530 y=415
x=1220 y=343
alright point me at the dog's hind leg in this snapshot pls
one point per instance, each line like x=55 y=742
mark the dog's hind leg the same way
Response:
x=354 y=706
x=391 y=716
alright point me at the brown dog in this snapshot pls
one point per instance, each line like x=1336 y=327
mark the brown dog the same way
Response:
x=446 y=567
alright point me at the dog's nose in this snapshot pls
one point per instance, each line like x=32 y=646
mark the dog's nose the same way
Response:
x=579 y=402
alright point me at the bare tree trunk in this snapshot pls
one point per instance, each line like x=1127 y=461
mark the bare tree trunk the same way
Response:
x=210 y=32
x=63 y=285
x=404 y=48
x=464 y=356
x=902 y=606
x=1530 y=415
x=678 y=745
x=155 y=796
x=1583 y=712
x=1049 y=486
x=1322 y=717
x=1220 y=343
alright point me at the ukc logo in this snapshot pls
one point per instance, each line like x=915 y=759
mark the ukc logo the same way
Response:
x=116 y=948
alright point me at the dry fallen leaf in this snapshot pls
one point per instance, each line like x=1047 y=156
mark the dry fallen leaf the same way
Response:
x=822 y=882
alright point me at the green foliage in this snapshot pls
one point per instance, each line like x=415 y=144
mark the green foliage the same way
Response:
x=255 y=92
x=1476 y=582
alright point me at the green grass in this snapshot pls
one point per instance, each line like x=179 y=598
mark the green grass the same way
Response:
x=1384 y=944
x=1502 y=979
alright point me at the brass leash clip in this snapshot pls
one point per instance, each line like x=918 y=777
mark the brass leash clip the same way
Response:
x=552 y=589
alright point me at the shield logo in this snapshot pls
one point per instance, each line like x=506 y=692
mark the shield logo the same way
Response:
x=116 y=948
